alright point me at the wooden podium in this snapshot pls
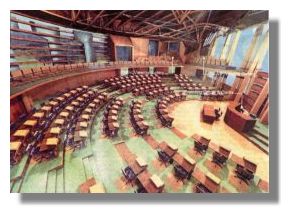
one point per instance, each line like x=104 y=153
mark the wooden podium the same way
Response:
x=240 y=122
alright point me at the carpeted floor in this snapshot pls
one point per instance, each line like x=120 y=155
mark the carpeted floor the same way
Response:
x=103 y=158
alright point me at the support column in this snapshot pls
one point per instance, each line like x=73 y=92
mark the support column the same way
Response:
x=86 y=39
x=233 y=47
x=226 y=47
x=253 y=68
x=261 y=98
x=249 y=53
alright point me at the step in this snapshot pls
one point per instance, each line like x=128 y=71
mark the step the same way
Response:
x=257 y=143
x=59 y=181
x=51 y=181
x=16 y=186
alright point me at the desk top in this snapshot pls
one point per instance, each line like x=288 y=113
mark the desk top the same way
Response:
x=85 y=116
x=52 y=141
x=59 y=121
x=249 y=165
x=64 y=114
x=113 y=125
x=38 y=115
x=53 y=103
x=209 y=110
x=46 y=108
x=201 y=139
x=15 y=145
x=170 y=150
x=55 y=130
x=30 y=122
x=186 y=163
x=75 y=103
x=60 y=98
x=220 y=149
x=83 y=124
x=210 y=181
x=97 y=188
x=21 y=133
x=69 y=108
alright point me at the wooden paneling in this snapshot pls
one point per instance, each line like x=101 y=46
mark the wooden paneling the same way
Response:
x=50 y=88
x=16 y=108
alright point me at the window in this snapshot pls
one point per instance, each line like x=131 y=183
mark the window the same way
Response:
x=123 y=53
x=173 y=47
x=153 y=47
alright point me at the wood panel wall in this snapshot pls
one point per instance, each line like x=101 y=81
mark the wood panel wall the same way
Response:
x=16 y=108
x=255 y=90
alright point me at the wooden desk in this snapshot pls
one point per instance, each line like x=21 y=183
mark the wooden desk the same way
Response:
x=53 y=103
x=208 y=113
x=85 y=116
x=38 y=115
x=138 y=117
x=75 y=103
x=152 y=184
x=67 y=95
x=59 y=121
x=83 y=124
x=46 y=108
x=97 y=188
x=200 y=139
x=69 y=108
x=245 y=163
x=84 y=188
x=186 y=163
x=15 y=145
x=88 y=110
x=170 y=150
x=208 y=180
x=64 y=114
x=55 y=130
x=80 y=99
x=92 y=105
x=112 y=112
x=30 y=123
x=240 y=122
x=60 y=98
x=21 y=133
x=52 y=141
x=138 y=166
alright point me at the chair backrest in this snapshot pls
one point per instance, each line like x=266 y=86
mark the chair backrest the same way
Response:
x=37 y=70
x=27 y=72
x=16 y=74
x=45 y=69
x=53 y=69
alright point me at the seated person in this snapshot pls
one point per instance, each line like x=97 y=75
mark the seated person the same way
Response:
x=218 y=113
x=239 y=108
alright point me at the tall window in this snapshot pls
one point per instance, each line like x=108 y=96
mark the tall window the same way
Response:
x=153 y=47
x=123 y=53
x=173 y=47
x=242 y=47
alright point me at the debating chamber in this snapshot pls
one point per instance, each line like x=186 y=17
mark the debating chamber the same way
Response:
x=139 y=101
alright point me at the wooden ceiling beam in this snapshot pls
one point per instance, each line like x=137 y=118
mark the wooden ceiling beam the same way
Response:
x=96 y=17
x=114 y=18
x=138 y=26
x=132 y=18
